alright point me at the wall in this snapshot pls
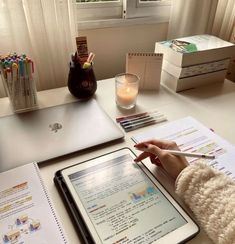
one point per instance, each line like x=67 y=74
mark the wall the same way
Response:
x=111 y=44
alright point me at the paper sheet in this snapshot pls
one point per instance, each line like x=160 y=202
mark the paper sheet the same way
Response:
x=191 y=136
x=26 y=212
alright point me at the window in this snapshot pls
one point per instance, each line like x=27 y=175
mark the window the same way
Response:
x=147 y=8
x=86 y=1
x=101 y=10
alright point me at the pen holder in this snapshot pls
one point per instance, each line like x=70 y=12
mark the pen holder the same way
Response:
x=22 y=93
x=82 y=82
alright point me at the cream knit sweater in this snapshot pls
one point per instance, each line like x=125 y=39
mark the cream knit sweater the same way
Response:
x=211 y=196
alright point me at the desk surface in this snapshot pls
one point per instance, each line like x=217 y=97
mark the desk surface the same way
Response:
x=212 y=105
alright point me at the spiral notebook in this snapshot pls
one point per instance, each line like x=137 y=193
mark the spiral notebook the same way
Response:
x=26 y=211
x=147 y=66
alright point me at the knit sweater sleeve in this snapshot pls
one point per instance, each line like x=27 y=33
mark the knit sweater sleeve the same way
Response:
x=211 y=196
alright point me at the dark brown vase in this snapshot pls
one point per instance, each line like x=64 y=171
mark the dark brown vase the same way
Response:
x=82 y=82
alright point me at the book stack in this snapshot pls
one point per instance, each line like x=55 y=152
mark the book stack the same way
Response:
x=193 y=61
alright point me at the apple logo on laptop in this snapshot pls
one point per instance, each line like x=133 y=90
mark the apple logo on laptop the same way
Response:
x=55 y=127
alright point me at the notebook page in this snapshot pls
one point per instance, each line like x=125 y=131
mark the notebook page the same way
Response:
x=192 y=136
x=26 y=211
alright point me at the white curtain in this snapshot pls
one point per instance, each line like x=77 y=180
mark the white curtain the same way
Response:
x=224 y=22
x=191 y=17
x=224 y=27
x=216 y=17
x=43 y=30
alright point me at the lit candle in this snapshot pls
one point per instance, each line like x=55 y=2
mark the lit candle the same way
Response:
x=126 y=90
x=126 y=96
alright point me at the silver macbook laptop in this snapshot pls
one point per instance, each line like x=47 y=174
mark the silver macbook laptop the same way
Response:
x=51 y=132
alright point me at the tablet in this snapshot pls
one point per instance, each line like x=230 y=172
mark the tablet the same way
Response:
x=120 y=201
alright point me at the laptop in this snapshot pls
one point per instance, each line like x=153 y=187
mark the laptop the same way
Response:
x=52 y=132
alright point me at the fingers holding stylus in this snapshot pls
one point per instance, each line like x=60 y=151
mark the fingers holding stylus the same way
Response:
x=153 y=158
x=155 y=147
x=155 y=150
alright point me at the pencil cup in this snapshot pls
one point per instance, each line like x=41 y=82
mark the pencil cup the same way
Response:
x=81 y=81
x=18 y=83
x=126 y=90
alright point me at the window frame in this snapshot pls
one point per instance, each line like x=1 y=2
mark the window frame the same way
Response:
x=125 y=12
x=114 y=10
x=136 y=9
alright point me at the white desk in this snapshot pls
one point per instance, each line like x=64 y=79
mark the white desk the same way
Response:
x=213 y=105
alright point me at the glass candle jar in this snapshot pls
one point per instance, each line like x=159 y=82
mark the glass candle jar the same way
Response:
x=126 y=90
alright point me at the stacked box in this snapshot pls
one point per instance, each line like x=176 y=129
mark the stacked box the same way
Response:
x=194 y=61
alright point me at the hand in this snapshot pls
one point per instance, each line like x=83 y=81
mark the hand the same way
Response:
x=172 y=164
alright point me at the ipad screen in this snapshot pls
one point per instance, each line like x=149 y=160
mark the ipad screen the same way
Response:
x=123 y=204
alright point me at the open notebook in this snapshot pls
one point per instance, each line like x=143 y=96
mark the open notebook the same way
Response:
x=27 y=213
x=48 y=133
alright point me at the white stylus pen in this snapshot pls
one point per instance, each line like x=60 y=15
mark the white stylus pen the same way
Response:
x=186 y=154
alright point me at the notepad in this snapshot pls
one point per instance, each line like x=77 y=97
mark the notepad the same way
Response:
x=27 y=214
x=147 y=66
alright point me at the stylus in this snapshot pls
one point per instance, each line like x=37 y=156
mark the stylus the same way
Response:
x=187 y=154
x=180 y=153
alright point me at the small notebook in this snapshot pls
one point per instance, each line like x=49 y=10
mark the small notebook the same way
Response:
x=147 y=66
x=27 y=214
